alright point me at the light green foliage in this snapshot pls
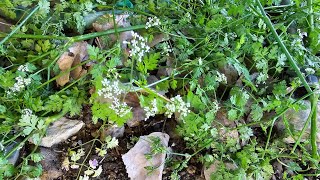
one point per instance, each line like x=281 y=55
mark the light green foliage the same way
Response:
x=148 y=63
x=104 y=112
x=238 y=99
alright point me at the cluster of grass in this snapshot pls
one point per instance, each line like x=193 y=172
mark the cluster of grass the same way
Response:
x=243 y=59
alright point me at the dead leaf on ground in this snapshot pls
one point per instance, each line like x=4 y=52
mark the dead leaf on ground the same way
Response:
x=76 y=53
x=106 y=22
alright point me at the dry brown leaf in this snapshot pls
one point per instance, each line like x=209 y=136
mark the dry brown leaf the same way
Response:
x=81 y=49
x=121 y=21
x=76 y=53
x=64 y=63
x=75 y=74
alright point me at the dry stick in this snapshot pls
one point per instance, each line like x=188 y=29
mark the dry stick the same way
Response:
x=293 y=64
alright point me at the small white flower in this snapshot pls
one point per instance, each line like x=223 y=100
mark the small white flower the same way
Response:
x=23 y=68
x=151 y=112
x=74 y=166
x=20 y=84
x=97 y=172
x=153 y=21
x=221 y=77
x=138 y=46
x=85 y=177
x=302 y=34
x=310 y=71
x=177 y=105
x=26 y=112
x=200 y=61
x=166 y=48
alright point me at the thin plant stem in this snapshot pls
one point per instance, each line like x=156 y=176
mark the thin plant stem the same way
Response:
x=19 y=26
x=85 y=159
x=310 y=16
x=314 y=119
x=72 y=39
x=33 y=36
x=107 y=32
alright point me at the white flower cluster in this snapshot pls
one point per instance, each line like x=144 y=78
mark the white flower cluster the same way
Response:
x=177 y=105
x=139 y=46
x=215 y=106
x=121 y=109
x=113 y=73
x=221 y=77
x=310 y=71
x=166 y=49
x=153 y=21
x=151 y=111
x=23 y=68
x=111 y=90
x=19 y=85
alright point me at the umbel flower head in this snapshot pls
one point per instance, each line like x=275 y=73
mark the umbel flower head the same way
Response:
x=112 y=91
x=177 y=105
x=153 y=21
x=139 y=46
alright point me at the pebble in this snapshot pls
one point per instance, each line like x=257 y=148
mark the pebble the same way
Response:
x=60 y=131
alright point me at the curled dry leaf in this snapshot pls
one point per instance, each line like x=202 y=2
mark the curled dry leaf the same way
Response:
x=76 y=53
x=64 y=63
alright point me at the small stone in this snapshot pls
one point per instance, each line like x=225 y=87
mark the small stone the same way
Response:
x=135 y=160
x=4 y=26
x=138 y=115
x=222 y=122
x=60 y=131
x=50 y=164
x=312 y=79
x=297 y=119
x=211 y=169
x=215 y=166
x=114 y=131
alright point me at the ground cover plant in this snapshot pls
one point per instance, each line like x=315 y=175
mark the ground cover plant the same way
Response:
x=234 y=83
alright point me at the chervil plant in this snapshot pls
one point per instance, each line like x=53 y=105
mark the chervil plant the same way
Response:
x=226 y=72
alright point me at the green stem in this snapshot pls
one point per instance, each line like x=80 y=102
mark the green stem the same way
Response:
x=314 y=119
x=73 y=39
x=13 y=138
x=85 y=159
x=33 y=36
x=310 y=16
x=19 y=26
x=277 y=116
x=18 y=146
x=107 y=32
